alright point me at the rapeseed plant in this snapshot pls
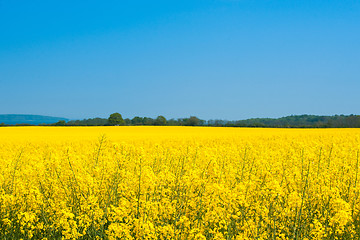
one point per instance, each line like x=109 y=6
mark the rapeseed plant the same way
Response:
x=179 y=183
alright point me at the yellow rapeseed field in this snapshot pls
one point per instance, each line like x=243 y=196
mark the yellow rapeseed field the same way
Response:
x=179 y=183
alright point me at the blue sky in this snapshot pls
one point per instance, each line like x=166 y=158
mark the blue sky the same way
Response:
x=225 y=59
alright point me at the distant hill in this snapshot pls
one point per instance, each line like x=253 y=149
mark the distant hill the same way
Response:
x=12 y=119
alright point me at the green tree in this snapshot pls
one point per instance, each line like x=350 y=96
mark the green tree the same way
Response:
x=160 y=121
x=60 y=123
x=193 y=121
x=116 y=119
x=137 y=121
x=148 y=121
x=127 y=121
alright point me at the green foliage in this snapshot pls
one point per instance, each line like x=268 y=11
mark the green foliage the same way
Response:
x=137 y=121
x=127 y=121
x=297 y=121
x=293 y=121
x=193 y=121
x=160 y=121
x=116 y=119
x=88 y=122
x=148 y=121
x=60 y=123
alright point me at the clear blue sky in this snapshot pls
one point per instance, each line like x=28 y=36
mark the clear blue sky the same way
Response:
x=225 y=59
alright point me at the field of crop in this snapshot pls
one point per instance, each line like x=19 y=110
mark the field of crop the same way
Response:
x=179 y=183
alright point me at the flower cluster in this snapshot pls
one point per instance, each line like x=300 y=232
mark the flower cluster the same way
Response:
x=179 y=183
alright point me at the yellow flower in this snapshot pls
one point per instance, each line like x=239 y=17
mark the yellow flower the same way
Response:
x=179 y=183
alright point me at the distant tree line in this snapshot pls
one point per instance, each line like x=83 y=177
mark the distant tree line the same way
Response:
x=297 y=121
x=293 y=121
x=116 y=119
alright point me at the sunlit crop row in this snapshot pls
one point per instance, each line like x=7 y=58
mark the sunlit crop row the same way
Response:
x=179 y=183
